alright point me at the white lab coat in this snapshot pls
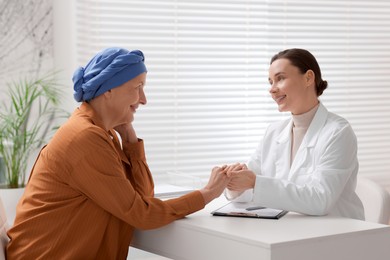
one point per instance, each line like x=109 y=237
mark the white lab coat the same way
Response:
x=322 y=177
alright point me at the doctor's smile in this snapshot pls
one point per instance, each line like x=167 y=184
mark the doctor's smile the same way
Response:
x=279 y=99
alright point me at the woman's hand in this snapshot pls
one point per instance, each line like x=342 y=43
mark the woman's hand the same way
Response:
x=127 y=133
x=235 y=167
x=216 y=185
x=241 y=180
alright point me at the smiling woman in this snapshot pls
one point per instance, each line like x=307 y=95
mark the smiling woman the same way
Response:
x=295 y=85
x=100 y=189
x=123 y=102
x=310 y=161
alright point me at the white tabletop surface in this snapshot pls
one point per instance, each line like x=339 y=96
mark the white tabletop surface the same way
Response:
x=267 y=238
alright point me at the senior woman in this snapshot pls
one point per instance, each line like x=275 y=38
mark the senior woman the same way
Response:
x=88 y=191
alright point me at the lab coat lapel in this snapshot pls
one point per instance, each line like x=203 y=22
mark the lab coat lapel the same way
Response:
x=309 y=141
x=283 y=152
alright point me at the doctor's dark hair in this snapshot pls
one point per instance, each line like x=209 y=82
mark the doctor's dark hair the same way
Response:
x=304 y=61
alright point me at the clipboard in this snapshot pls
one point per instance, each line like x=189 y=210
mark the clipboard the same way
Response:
x=248 y=210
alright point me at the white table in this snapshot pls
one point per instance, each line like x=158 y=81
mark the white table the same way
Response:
x=201 y=236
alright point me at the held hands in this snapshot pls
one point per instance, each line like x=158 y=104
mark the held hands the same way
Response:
x=216 y=184
x=235 y=177
x=240 y=177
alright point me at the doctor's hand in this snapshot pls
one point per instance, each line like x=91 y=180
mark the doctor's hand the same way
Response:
x=241 y=180
x=216 y=184
x=235 y=167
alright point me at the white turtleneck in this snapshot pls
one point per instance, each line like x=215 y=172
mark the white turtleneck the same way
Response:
x=300 y=125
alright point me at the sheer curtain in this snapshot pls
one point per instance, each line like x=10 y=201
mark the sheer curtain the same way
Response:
x=207 y=87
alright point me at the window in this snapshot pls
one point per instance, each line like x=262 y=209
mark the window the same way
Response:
x=207 y=84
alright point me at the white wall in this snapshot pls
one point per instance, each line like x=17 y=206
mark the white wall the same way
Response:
x=26 y=42
x=37 y=37
x=63 y=48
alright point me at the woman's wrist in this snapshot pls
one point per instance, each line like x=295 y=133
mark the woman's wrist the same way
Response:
x=128 y=138
x=207 y=194
x=127 y=133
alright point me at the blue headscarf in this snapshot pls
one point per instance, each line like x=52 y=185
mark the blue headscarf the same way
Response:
x=109 y=69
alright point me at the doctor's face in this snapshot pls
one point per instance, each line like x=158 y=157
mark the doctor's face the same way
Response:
x=288 y=86
x=127 y=98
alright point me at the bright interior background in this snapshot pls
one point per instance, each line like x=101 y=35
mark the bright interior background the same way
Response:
x=207 y=89
x=207 y=84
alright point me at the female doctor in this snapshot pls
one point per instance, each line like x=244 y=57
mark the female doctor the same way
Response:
x=308 y=163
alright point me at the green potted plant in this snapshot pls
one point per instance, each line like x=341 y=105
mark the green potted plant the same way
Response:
x=27 y=117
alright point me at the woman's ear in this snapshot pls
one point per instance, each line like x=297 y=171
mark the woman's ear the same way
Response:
x=310 y=77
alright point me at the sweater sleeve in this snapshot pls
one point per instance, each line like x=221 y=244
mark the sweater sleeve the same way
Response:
x=138 y=171
x=100 y=175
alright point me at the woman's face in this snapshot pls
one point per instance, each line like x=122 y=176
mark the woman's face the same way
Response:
x=126 y=99
x=289 y=87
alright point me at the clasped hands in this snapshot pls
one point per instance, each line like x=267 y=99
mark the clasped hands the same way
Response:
x=235 y=177
x=240 y=177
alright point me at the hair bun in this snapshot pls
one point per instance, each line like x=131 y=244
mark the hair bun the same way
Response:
x=322 y=86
